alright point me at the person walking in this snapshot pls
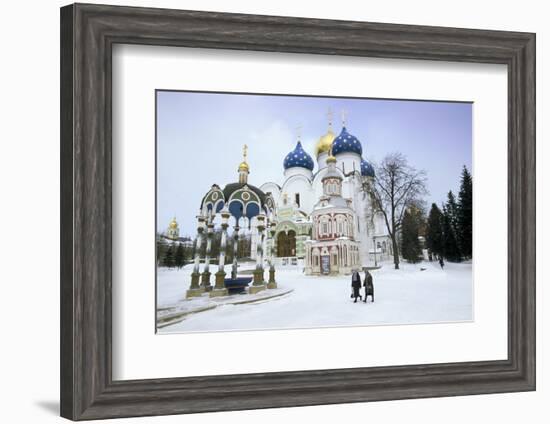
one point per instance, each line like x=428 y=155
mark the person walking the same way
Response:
x=441 y=263
x=369 y=286
x=356 y=285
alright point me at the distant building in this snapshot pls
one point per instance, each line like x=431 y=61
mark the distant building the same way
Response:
x=173 y=231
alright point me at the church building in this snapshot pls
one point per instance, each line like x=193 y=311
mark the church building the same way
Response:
x=320 y=219
x=340 y=184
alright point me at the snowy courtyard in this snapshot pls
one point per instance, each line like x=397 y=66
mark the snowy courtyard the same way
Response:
x=414 y=294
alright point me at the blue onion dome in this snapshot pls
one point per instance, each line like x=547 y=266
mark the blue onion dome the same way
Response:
x=298 y=158
x=345 y=143
x=367 y=169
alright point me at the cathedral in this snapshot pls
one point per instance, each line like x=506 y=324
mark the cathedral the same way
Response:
x=319 y=219
x=325 y=219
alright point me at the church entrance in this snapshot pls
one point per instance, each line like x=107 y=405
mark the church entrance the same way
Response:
x=286 y=244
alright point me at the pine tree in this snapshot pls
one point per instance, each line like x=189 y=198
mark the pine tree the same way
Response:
x=161 y=250
x=434 y=231
x=179 y=260
x=169 y=259
x=410 y=245
x=452 y=210
x=464 y=215
x=450 y=245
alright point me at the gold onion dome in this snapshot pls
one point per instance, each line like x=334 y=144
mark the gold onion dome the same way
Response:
x=173 y=223
x=325 y=142
x=243 y=166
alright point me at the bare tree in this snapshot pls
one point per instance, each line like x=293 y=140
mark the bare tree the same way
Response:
x=396 y=186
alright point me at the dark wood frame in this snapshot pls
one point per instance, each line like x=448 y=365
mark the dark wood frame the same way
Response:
x=88 y=33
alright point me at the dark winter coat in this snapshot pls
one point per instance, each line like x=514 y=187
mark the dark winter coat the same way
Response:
x=356 y=284
x=368 y=284
x=356 y=280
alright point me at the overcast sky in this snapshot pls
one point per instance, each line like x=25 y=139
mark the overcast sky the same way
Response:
x=200 y=138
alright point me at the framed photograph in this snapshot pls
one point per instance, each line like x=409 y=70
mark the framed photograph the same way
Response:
x=262 y=212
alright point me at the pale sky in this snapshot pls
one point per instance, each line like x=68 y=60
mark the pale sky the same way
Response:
x=200 y=137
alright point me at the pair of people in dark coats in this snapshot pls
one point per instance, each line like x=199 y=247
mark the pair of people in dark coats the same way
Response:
x=356 y=286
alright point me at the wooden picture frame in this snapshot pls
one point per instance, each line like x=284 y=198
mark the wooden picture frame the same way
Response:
x=88 y=33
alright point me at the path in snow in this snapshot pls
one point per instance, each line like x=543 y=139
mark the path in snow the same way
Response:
x=405 y=296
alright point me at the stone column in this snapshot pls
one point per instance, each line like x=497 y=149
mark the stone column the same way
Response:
x=272 y=284
x=194 y=289
x=259 y=283
x=235 y=266
x=219 y=289
x=205 y=282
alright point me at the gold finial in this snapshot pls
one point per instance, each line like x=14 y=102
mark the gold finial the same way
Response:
x=244 y=165
x=344 y=116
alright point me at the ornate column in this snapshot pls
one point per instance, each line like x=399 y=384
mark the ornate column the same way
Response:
x=259 y=283
x=219 y=289
x=235 y=250
x=194 y=289
x=272 y=284
x=205 y=282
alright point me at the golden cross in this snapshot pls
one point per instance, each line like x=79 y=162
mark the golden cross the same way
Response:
x=245 y=152
x=299 y=131
x=329 y=116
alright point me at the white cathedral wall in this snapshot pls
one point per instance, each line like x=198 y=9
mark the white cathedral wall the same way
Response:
x=298 y=171
x=322 y=160
x=361 y=206
x=348 y=162
x=272 y=188
x=299 y=184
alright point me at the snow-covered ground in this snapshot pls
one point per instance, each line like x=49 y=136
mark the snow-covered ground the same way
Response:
x=405 y=296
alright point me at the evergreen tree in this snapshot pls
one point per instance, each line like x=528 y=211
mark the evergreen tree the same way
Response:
x=434 y=231
x=188 y=253
x=464 y=215
x=161 y=250
x=450 y=245
x=410 y=245
x=179 y=259
x=169 y=258
x=452 y=210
